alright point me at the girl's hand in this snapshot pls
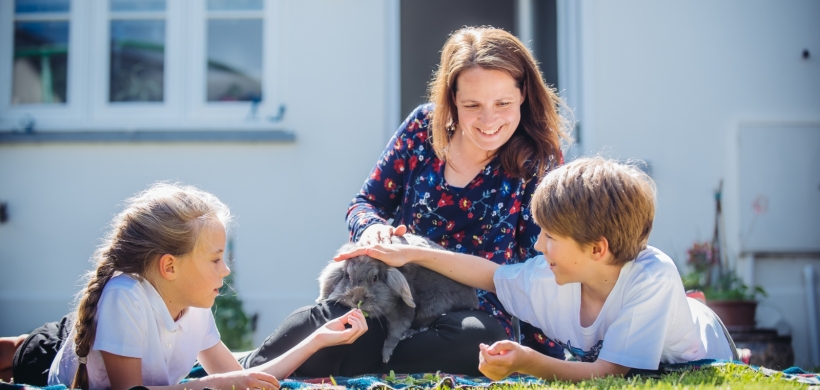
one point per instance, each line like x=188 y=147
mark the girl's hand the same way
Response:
x=394 y=255
x=241 y=380
x=501 y=359
x=380 y=234
x=335 y=333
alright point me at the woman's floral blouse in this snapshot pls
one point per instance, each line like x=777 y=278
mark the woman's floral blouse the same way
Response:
x=489 y=217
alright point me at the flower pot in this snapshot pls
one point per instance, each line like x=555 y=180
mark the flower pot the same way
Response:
x=736 y=315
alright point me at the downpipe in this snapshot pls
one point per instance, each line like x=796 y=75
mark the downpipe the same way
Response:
x=811 y=312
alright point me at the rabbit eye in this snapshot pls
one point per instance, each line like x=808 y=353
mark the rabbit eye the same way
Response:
x=375 y=277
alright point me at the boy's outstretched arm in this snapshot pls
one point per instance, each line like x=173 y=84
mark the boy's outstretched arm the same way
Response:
x=506 y=357
x=471 y=270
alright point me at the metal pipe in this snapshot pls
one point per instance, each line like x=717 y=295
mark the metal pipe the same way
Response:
x=811 y=312
x=524 y=19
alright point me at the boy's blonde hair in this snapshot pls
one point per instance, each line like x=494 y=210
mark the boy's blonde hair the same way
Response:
x=593 y=198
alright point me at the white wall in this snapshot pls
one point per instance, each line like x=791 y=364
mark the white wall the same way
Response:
x=290 y=199
x=671 y=82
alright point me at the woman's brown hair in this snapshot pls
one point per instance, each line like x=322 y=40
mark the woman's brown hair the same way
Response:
x=535 y=146
x=164 y=219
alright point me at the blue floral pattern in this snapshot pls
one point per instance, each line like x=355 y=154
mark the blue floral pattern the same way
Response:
x=490 y=217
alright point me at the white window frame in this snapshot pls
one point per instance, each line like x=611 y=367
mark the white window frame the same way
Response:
x=206 y=113
x=147 y=114
x=51 y=114
x=184 y=105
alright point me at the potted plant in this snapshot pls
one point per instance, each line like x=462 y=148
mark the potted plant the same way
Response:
x=726 y=293
x=711 y=272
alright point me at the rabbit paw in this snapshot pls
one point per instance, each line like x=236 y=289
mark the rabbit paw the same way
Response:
x=408 y=334
x=387 y=352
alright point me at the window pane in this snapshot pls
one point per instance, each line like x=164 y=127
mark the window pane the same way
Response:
x=233 y=5
x=234 y=59
x=40 y=62
x=31 y=6
x=137 y=60
x=137 y=5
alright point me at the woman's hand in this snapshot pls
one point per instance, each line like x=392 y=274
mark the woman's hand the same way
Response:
x=241 y=380
x=380 y=234
x=394 y=255
x=335 y=333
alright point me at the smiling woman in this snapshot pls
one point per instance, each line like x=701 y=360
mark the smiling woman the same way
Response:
x=460 y=171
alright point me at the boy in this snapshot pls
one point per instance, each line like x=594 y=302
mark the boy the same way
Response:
x=615 y=303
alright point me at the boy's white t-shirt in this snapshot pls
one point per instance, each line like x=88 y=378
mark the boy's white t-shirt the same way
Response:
x=133 y=321
x=646 y=319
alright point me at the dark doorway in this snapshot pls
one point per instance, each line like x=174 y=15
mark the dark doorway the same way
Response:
x=426 y=24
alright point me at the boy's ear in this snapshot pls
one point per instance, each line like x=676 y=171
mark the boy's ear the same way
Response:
x=168 y=266
x=600 y=249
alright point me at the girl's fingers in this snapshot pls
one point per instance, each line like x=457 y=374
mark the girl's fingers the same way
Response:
x=264 y=380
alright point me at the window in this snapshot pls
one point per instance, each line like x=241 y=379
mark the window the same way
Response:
x=137 y=51
x=138 y=64
x=234 y=53
x=40 y=64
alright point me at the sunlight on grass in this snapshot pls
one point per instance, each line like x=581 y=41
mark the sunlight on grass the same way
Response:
x=726 y=377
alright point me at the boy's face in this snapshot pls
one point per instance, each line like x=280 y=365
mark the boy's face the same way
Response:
x=566 y=258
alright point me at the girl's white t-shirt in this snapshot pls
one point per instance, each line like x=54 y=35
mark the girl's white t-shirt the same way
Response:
x=646 y=319
x=133 y=321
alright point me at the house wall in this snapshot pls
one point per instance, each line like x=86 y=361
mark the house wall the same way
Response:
x=289 y=199
x=672 y=83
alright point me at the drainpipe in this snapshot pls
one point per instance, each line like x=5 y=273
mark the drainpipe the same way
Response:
x=811 y=303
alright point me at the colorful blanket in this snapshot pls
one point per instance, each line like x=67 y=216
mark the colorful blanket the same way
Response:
x=426 y=381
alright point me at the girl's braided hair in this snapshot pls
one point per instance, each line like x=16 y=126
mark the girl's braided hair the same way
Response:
x=164 y=219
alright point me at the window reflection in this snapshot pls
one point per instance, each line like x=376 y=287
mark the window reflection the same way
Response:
x=234 y=60
x=40 y=67
x=33 y=6
x=137 y=5
x=234 y=5
x=137 y=60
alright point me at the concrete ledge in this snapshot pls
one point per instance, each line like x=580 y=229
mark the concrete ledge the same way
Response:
x=13 y=137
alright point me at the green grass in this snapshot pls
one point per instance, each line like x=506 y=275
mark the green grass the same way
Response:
x=731 y=376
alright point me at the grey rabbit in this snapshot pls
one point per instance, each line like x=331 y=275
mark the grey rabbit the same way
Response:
x=410 y=297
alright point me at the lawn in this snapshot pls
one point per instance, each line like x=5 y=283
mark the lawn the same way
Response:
x=730 y=376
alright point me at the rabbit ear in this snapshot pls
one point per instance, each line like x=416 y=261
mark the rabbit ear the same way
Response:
x=397 y=283
x=329 y=278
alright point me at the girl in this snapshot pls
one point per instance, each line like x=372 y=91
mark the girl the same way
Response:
x=144 y=317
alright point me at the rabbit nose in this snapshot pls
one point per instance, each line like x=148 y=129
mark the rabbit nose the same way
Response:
x=358 y=293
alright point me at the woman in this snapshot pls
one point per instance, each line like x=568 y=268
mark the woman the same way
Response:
x=461 y=171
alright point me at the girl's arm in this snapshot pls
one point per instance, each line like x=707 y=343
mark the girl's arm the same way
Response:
x=332 y=333
x=126 y=372
x=505 y=357
x=218 y=359
x=467 y=269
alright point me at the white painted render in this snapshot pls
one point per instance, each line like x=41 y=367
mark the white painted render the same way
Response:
x=671 y=83
x=289 y=199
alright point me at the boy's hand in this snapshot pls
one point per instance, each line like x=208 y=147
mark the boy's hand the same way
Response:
x=501 y=359
x=394 y=255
